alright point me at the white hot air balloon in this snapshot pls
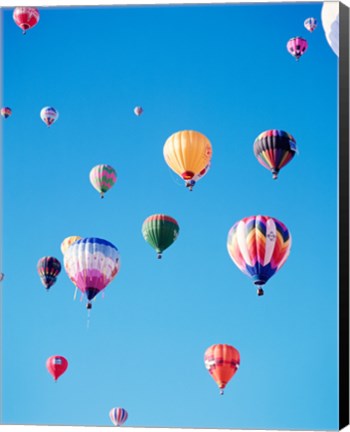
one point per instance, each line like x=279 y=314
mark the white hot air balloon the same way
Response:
x=330 y=23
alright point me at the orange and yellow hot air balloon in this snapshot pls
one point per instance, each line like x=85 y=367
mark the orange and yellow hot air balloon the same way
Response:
x=187 y=153
x=222 y=362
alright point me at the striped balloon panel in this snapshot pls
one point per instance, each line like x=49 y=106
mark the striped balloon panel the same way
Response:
x=103 y=177
x=26 y=17
x=160 y=231
x=118 y=416
x=297 y=46
x=187 y=153
x=259 y=246
x=6 y=112
x=91 y=264
x=310 y=24
x=274 y=149
x=222 y=362
x=67 y=242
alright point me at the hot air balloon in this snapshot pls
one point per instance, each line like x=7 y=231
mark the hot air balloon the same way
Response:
x=26 y=17
x=274 y=149
x=310 y=24
x=49 y=115
x=160 y=231
x=56 y=365
x=102 y=178
x=297 y=46
x=222 y=362
x=6 y=112
x=259 y=246
x=191 y=183
x=118 y=416
x=91 y=264
x=2 y=277
x=138 y=110
x=330 y=23
x=187 y=153
x=67 y=242
x=48 y=268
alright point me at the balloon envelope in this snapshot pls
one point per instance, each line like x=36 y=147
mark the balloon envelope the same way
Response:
x=91 y=264
x=26 y=17
x=259 y=246
x=102 y=178
x=6 y=112
x=222 y=362
x=67 y=242
x=310 y=24
x=48 y=268
x=138 y=110
x=330 y=23
x=49 y=115
x=118 y=416
x=274 y=149
x=56 y=365
x=297 y=46
x=187 y=153
x=160 y=231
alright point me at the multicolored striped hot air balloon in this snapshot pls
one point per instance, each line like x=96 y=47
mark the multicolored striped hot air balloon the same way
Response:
x=118 y=416
x=26 y=17
x=222 y=362
x=48 y=268
x=259 y=246
x=5 y=112
x=274 y=149
x=187 y=153
x=297 y=46
x=91 y=264
x=49 y=115
x=160 y=231
x=102 y=178
x=310 y=24
x=56 y=365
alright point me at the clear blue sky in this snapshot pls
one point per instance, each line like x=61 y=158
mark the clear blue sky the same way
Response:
x=221 y=70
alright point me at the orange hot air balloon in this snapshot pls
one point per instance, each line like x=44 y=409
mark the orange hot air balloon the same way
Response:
x=187 y=153
x=222 y=362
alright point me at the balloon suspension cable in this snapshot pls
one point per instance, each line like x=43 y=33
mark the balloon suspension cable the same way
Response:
x=81 y=297
x=75 y=293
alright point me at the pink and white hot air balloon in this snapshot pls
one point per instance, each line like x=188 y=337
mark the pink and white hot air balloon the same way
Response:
x=297 y=46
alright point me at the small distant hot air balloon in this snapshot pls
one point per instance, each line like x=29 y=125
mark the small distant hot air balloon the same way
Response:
x=118 y=416
x=2 y=277
x=91 y=264
x=297 y=46
x=102 y=178
x=138 y=110
x=222 y=361
x=274 y=149
x=160 y=231
x=56 y=365
x=187 y=153
x=67 y=242
x=48 y=268
x=6 y=112
x=49 y=115
x=26 y=17
x=191 y=183
x=310 y=24
x=259 y=246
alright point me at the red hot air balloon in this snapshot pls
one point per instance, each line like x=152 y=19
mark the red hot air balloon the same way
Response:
x=26 y=17
x=222 y=362
x=56 y=365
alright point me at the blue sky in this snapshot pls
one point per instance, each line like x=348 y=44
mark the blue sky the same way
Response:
x=221 y=70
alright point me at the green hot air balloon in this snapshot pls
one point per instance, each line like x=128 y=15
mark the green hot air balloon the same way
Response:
x=160 y=231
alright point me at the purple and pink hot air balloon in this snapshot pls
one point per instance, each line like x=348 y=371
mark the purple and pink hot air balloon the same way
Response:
x=297 y=46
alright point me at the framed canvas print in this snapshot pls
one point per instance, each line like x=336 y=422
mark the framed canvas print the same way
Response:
x=175 y=216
